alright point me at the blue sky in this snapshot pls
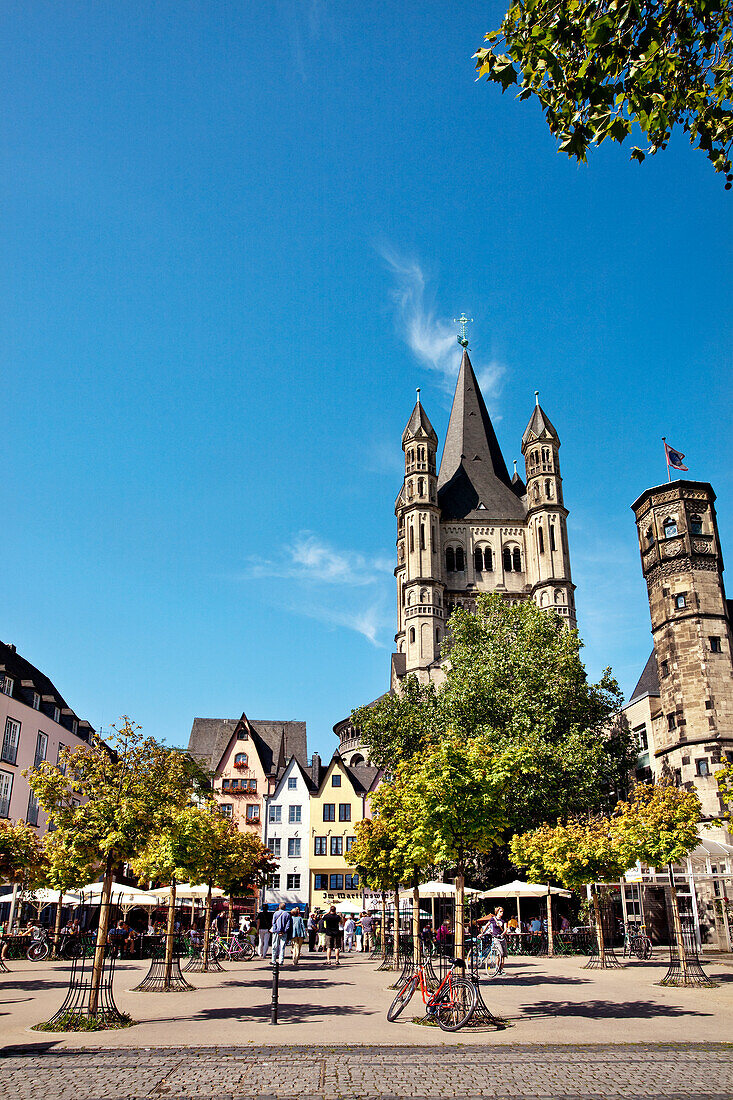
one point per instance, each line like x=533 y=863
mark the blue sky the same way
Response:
x=233 y=239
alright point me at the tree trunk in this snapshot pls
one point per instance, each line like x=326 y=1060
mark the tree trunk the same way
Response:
x=13 y=907
x=169 y=933
x=383 y=929
x=101 y=945
x=677 y=924
x=416 y=918
x=207 y=930
x=599 y=925
x=460 y=930
x=550 y=943
x=57 y=925
x=396 y=928
x=229 y=918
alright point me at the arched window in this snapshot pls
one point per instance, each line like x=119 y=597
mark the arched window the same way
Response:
x=543 y=600
x=649 y=536
x=545 y=455
x=437 y=633
x=460 y=560
x=507 y=556
x=241 y=759
x=548 y=488
x=412 y=539
x=695 y=525
x=412 y=633
x=517 y=560
x=552 y=536
x=409 y=490
x=478 y=560
x=558 y=596
x=536 y=492
x=670 y=527
x=535 y=458
x=450 y=560
x=541 y=539
x=421 y=453
x=423 y=595
x=422 y=536
x=420 y=486
x=488 y=560
x=409 y=598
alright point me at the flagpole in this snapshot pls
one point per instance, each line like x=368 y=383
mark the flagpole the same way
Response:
x=666 y=455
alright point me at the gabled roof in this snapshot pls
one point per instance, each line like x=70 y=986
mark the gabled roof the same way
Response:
x=648 y=681
x=363 y=776
x=275 y=742
x=473 y=477
x=27 y=679
x=305 y=772
x=539 y=427
x=419 y=425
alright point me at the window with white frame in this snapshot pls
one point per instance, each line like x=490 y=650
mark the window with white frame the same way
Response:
x=293 y=882
x=276 y=814
x=36 y=701
x=294 y=847
x=75 y=727
x=57 y=714
x=41 y=748
x=273 y=881
x=274 y=845
x=60 y=760
x=294 y=815
x=6 y=789
x=227 y=809
x=7 y=685
x=10 y=741
x=253 y=813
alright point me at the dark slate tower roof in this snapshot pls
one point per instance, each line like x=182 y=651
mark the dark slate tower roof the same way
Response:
x=473 y=476
x=539 y=426
x=648 y=681
x=419 y=423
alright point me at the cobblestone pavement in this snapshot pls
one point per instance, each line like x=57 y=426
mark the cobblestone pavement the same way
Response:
x=678 y=1070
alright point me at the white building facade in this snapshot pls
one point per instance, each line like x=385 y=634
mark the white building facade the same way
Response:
x=286 y=833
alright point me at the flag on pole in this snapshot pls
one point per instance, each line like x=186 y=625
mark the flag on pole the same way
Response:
x=674 y=458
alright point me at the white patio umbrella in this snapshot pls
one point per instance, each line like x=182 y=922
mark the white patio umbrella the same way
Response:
x=43 y=897
x=186 y=892
x=519 y=889
x=435 y=889
x=347 y=907
x=125 y=896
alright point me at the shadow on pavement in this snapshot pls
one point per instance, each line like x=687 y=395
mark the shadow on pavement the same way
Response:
x=608 y=1010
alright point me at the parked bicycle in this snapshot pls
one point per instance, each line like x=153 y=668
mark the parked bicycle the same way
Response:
x=636 y=942
x=452 y=1004
x=70 y=947
x=237 y=950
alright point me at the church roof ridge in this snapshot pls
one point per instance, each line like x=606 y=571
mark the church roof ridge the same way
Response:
x=473 y=474
x=419 y=422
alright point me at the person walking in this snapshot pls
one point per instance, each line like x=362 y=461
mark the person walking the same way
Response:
x=281 y=928
x=312 y=931
x=349 y=933
x=497 y=930
x=367 y=927
x=297 y=935
x=322 y=932
x=264 y=927
x=332 y=924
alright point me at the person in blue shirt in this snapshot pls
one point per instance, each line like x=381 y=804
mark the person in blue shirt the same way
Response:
x=281 y=928
x=297 y=934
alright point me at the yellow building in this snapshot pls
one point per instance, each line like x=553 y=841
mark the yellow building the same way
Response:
x=341 y=800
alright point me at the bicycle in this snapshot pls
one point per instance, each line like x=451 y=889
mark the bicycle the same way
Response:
x=636 y=942
x=452 y=1004
x=235 y=951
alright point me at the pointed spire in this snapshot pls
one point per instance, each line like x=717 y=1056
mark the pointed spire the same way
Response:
x=472 y=469
x=419 y=425
x=540 y=426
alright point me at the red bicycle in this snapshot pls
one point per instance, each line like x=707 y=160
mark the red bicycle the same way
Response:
x=452 y=1004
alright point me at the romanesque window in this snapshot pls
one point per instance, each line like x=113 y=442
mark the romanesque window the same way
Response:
x=517 y=560
x=541 y=539
x=422 y=536
x=412 y=539
x=450 y=560
x=478 y=559
x=410 y=454
x=437 y=634
x=409 y=490
x=488 y=560
x=695 y=525
x=423 y=595
x=536 y=492
x=670 y=527
x=552 y=537
x=421 y=454
x=409 y=598
x=460 y=560
x=412 y=633
x=558 y=596
x=649 y=536
x=548 y=488
x=715 y=645
x=507 y=556
x=680 y=601
x=420 y=486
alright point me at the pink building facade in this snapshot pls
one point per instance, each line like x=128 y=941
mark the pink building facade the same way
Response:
x=35 y=725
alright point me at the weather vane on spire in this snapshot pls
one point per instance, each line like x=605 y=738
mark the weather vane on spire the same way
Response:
x=462 y=321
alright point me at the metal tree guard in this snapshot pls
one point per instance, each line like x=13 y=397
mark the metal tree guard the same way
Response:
x=197 y=964
x=609 y=960
x=691 y=972
x=158 y=979
x=75 y=1007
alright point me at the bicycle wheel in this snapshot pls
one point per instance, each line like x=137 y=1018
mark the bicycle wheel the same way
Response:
x=248 y=951
x=403 y=998
x=72 y=950
x=643 y=948
x=37 y=952
x=492 y=963
x=456 y=1004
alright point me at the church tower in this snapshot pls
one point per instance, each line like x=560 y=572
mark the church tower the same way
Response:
x=691 y=626
x=419 y=585
x=547 y=545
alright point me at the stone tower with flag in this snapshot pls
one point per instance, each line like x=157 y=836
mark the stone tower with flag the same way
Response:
x=470 y=527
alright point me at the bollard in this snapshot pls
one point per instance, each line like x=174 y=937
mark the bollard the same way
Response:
x=275 y=988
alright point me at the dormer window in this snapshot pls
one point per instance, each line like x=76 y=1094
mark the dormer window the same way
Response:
x=56 y=714
x=242 y=735
x=7 y=685
x=670 y=528
x=36 y=701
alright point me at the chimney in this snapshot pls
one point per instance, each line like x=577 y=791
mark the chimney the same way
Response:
x=316 y=767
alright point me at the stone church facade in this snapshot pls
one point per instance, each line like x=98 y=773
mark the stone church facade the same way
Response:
x=468 y=527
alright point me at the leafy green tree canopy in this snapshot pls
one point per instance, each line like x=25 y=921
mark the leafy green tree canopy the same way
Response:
x=22 y=859
x=576 y=853
x=724 y=779
x=658 y=825
x=600 y=67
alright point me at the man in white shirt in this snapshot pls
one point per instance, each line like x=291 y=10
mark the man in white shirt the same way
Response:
x=349 y=933
x=366 y=926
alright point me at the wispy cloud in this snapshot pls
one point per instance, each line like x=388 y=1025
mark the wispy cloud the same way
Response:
x=311 y=559
x=371 y=622
x=431 y=337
